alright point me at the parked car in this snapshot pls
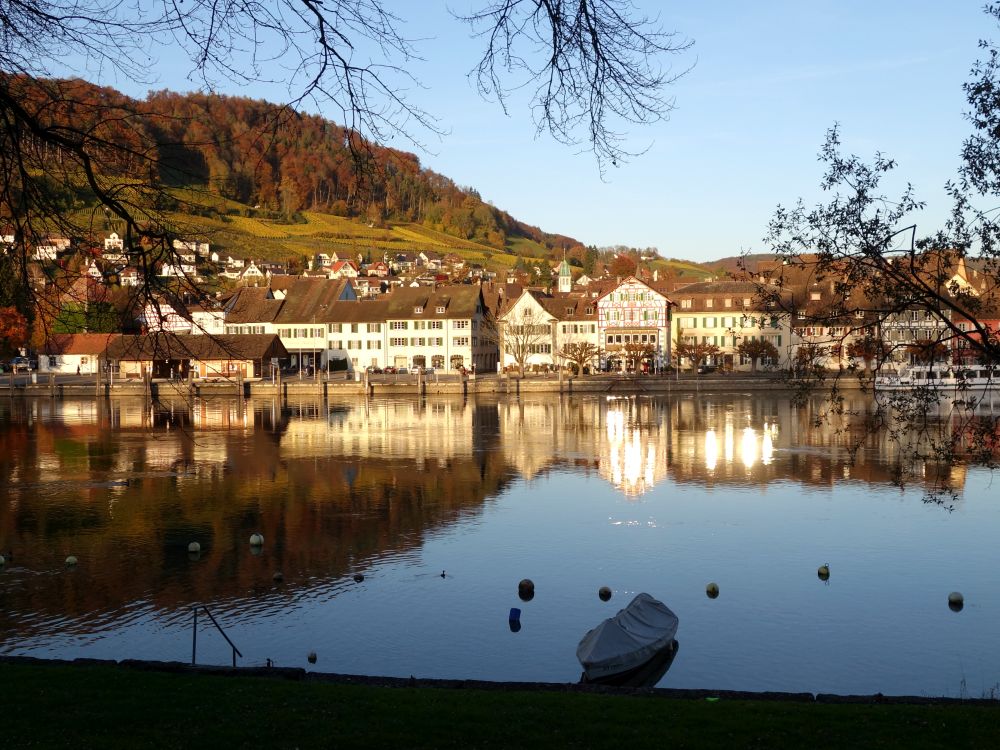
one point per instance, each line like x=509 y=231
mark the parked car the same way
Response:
x=20 y=364
x=706 y=369
x=390 y=370
x=374 y=370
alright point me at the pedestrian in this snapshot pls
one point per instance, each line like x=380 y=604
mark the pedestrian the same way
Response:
x=78 y=369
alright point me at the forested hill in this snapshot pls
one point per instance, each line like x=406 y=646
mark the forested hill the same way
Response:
x=282 y=163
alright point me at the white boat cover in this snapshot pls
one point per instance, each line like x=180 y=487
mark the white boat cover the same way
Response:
x=628 y=639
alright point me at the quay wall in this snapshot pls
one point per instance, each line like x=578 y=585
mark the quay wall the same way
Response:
x=411 y=387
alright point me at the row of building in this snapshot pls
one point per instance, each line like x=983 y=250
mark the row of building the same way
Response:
x=635 y=322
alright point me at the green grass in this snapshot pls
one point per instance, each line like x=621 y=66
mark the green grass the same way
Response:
x=96 y=706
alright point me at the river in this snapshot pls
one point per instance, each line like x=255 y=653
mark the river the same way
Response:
x=444 y=504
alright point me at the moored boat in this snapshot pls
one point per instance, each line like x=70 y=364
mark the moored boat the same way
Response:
x=628 y=640
x=939 y=376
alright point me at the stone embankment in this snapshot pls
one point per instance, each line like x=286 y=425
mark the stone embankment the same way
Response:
x=409 y=385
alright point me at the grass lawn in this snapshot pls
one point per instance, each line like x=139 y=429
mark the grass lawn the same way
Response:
x=107 y=707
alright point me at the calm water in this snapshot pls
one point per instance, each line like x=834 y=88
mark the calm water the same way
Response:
x=639 y=494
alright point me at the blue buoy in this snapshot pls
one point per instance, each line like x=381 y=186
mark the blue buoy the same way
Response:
x=514 y=619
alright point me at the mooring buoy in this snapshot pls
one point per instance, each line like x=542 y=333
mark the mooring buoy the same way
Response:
x=312 y=657
x=823 y=572
x=956 y=601
x=526 y=589
x=256 y=540
x=194 y=547
x=71 y=561
x=712 y=590
x=358 y=577
x=605 y=593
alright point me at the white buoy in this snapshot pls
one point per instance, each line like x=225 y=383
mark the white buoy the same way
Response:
x=194 y=547
x=71 y=560
x=604 y=593
x=312 y=657
x=956 y=601
x=823 y=572
x=712 y=590
x=256 y=540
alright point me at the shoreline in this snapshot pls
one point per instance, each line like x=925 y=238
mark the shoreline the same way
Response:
x=448 y=385
x=299 y=674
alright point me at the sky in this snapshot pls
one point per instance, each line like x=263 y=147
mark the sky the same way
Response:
x=766 y=82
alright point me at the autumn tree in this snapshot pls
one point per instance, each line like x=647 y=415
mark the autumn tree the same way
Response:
x=580 y=354
x=869 y=349
x=635 y=353
x=756 y=349
x=13 y=330
x=523 y=332
x=688 y=347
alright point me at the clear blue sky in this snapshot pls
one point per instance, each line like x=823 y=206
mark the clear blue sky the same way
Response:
x=768 y=80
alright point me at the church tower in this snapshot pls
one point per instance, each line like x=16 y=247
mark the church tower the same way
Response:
x=565 y=278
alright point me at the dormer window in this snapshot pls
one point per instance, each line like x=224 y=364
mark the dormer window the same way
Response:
x=859 y=313
x=590 y=311
x=418 y=310
x=708 y=303
x=569 y=310
x=439 y=309
x=728 y=302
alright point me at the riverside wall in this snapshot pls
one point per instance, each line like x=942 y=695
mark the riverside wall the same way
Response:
x=411 y=386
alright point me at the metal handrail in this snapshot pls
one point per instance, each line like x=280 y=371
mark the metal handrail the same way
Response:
x=194 y=634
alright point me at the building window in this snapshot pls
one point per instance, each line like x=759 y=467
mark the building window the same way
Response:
x=418 y=310
x=335 y=328
x=815 y=296
x=397 y=325
x=460 y=341
x=686 y=304
x=439 y=309
x=435 y=324
x=461 y=324
x=397 y=342
x=374 y=327
x=728 y=302
x=708 y=304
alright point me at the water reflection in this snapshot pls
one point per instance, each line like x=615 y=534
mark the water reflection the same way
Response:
x=341 y=487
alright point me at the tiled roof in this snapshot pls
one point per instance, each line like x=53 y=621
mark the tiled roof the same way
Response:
x=252 y=305
x=77 y=343
x=175 y=346
x=309 y=300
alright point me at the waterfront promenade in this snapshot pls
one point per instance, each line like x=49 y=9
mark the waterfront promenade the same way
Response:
x=45 y=386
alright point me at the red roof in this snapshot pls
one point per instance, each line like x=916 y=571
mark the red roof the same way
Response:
x=78 y=343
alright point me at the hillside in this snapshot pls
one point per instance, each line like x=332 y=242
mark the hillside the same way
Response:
x=258 y=180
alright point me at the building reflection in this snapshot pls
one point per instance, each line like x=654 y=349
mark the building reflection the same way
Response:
x=337 y=485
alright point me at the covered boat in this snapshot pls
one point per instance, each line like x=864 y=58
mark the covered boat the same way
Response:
x=628 y=640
